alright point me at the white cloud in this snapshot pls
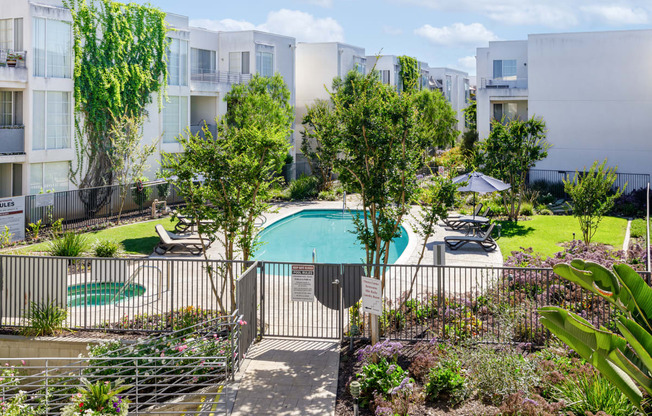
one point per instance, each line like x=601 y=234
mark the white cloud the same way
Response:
x=391 y=30
x=467 y=64
x=457 y=34
x=300 y=25
x=617 y=15
x=303 y=26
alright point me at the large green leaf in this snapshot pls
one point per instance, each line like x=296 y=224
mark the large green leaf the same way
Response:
x=601 y=348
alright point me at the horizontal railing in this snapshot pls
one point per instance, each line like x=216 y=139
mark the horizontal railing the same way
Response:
x=553 y=179
x=12 y=140
x=11 y=58
x=220 y=77
x=502 y=83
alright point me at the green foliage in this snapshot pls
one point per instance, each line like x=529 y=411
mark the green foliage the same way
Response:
x=508 y=154
x=16 y=406
x=99 y=398
x=35 y=228
x=409 y=73
x=592 y=196
x=594 y=394
x=304 y=187
x=380 y=377
x=57 y=228
x=107 y=248
x=319 y=141
x=526 y=209
x=624 y=359
x=637 y=229
x=141 y=193
x=447 y=379
x=45 y=319
x=120 y=61
x=5 y=237
x=69 y=245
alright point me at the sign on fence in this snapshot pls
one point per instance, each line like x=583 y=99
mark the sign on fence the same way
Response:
x=372 y=296
x=12 y=215
x=44 y=200
x=303 y=283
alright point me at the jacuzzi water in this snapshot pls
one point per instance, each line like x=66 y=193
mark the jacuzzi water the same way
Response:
x=105 y=293
x=328 y=232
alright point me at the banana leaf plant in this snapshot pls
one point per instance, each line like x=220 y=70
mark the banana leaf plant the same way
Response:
x=624 y=358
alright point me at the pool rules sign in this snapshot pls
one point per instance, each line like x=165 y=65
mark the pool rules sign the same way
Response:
x=303 y=283
x=12 y=215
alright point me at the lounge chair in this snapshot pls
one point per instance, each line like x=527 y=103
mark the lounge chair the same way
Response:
x=168 y=244
x=454 y=221
x=176 y=236
x=186 y=223
x=482 y=238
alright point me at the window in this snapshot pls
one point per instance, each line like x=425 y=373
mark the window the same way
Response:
x=202 y=61
x=6 y=34
x=505 y=69
x=360 y=64
x=383 y=75
x=52 y=46
x=505 y=112
x=6 y=108
x=467 y=91
x=178 y=62
x=239 y=62
x=52 y=120
x=45 y=177
x=175 y=118
x=449 y=87
x=265 y=60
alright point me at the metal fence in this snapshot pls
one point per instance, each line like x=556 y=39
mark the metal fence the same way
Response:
x=92 y=206
x=246 y=290
x=552 y=181
x=182 y=373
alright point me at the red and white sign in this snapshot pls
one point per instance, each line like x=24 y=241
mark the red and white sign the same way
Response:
x=303 y=283
x=372 y=296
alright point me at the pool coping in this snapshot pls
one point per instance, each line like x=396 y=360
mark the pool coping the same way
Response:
x=402 y=259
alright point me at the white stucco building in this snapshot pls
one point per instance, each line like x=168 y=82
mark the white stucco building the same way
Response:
x=591 y=89
x=455 y=86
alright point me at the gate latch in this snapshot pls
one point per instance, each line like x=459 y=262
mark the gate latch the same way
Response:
x=335 y=282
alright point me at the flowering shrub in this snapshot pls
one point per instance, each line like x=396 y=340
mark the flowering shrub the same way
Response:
x=176 y=320
x=387 y=349
x=381 y=378
x=16 y=406
x=99 y=399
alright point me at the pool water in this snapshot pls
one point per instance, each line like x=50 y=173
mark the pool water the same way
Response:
x=329 y=232
x=96 y=294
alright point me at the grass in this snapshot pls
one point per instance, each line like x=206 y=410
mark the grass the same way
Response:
x=139 y=238
x=544 y=233
x=638 y=228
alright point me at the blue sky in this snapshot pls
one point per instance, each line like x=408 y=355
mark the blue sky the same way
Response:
x=440 y=32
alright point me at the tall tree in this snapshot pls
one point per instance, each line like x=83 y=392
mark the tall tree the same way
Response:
x=120 y=61
x=508 y=154
x=319 y=143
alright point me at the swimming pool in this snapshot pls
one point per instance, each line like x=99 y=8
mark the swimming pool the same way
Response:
x=104 y=293
x=328 y=232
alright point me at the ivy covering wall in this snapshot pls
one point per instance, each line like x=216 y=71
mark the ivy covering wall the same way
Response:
x=409 y=73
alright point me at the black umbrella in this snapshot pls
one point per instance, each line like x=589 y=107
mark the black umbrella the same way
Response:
x=479 y=182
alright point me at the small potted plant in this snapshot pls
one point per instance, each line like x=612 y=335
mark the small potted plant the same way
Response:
x=11 y=59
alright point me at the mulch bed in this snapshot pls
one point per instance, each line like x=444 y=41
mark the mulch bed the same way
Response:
x=349 y=366
x=72 y=335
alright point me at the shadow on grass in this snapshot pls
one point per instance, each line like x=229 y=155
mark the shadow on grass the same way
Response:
x=512 y=229
x=142 y=245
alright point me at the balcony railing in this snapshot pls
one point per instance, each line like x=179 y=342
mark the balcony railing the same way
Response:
x=221 y=77
x=12 y=140
x=12 y=59
x=501 y=83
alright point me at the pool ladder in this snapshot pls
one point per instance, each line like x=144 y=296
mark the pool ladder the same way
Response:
x=131 y=278
x=314 y=255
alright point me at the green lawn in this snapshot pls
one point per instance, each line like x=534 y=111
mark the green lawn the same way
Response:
x=139 y=238
x=544 y=233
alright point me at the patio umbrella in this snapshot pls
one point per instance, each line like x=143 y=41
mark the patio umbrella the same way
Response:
x=479 y=182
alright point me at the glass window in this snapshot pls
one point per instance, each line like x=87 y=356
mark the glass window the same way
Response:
x=467 y=91
x=449 y=87
x=39 y=47
x=59 y=46
x=505 y=112
x=265 y=60
x=239 y=62
x=6 y=108
x=18 y=34
x=202 y=61
x=6 y=34
x=360 y=64
x=46 y=177
x=383 y=74
x=505 y=69
x=58 y=120
x=38 y=121
x=175 y=118
x=35 y=178
x=178 y=62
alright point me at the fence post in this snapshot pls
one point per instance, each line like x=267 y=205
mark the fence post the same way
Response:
x=262 y=299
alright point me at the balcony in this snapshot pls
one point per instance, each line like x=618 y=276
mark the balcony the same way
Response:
x=13 y=70
x=489 y=83
x=199 y=129
x=209 y=81
x=12 y=144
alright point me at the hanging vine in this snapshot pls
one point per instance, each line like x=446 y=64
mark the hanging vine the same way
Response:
x=409 y=73
x=120 y=61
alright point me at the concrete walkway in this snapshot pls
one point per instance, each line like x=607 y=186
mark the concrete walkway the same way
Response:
x=288 y=377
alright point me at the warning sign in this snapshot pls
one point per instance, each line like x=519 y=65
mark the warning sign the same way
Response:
x=372 y=296
x=303 y=283
x=12 y=215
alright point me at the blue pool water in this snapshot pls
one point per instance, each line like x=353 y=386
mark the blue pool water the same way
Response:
x=293 y=238
x=102 y=293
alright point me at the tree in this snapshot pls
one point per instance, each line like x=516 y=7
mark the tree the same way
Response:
x=128 y=158
x=592 y=196
x=624 y=358
x=319 y=143
x=237 y=169
x=470 y=136
x=508 y=154
x=120 y=61
x=382 y=137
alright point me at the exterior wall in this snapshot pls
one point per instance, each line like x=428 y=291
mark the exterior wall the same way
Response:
x=317 y=65
x=385 y=63
x=460 y=85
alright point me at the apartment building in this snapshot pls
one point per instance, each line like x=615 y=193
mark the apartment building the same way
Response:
x=456 y=88
x=592 y=90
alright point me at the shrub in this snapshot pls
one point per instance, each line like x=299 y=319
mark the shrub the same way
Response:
x=421 y=365
x=328 y=196
x=541 y=210
x=99 y=399
x=519 y=404
x=526 y=209
x=45 y=319
x=107 y=248
x=35 y=228
x=387 y=349
x=446 y=380
x=304 y=187
x=380 y=378
x=69 y=245
x=141 y=193
x=57 y=228
x=594 y=394
x=16 y=406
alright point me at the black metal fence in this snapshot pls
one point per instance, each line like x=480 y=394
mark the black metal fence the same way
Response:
x=551 y=181
x=89 y=207
x=420 y=302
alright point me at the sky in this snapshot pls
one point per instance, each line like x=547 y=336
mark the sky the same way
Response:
x=439 y=32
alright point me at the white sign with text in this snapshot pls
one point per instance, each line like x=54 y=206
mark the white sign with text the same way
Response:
x=12 y=215
x=303 y=283
x=372 y=296
x=44 y=200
